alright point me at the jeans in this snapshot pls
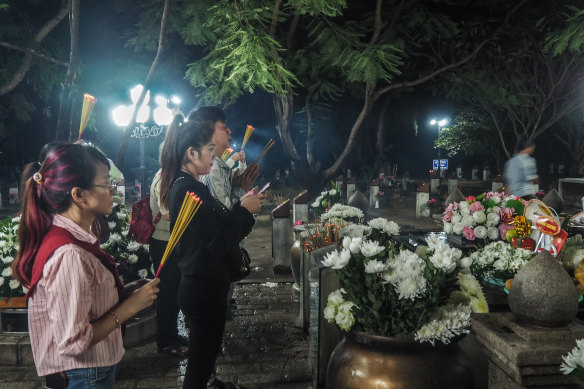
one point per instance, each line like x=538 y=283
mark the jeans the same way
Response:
x=91 y=378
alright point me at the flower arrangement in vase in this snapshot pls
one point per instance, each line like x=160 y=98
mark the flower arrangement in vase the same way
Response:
x=487 y=216
x=132 y=258
x=395 y=292
x=9 y=287
x=497 y=261
x=327 y=199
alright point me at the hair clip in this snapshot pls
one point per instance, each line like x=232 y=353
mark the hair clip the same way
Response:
x=37 y=177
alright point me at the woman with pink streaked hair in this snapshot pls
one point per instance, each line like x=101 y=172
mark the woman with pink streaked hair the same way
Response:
x=76 y=301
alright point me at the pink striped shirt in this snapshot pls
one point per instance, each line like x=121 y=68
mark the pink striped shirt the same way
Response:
x=74 y=291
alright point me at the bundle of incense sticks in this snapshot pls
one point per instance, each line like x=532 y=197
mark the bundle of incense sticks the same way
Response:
x=248 y=130
x=88 y=104
x=318 y=236
x=227 y=153
x=189 y=207
x=265 y=150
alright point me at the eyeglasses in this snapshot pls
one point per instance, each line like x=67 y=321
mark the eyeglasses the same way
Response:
x=112 y=186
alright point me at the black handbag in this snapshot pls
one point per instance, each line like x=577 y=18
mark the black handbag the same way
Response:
x=245 y=266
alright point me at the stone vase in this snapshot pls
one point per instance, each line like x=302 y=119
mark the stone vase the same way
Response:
x=363 y=361
x=543 y=293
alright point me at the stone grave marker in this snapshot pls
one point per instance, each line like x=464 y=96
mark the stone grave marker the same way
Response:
x=300 y=206
x=281 y=237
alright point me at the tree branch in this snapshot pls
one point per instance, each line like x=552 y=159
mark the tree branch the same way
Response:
x=27 y=61
x=35 y=53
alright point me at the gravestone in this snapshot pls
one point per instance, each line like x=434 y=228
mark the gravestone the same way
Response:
x=554 y=200
x=324 y=336
x=373 y=189
x=434 y=185
x=281 y=237
x=459 y=172
x=300 y=207
x=358 y=200
x=496 y=185
x=572 y=190
x=350 y=187
x=422 y=199
x=454 y=196
x=339 y=184
x=452 y=184
x=486 y=174
x=474 y=174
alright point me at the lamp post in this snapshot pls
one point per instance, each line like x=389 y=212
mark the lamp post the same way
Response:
x=162 y=116
x=440 y=124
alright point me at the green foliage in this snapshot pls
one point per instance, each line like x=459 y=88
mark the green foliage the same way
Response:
x=329 y=8
x=470 y=131
x=569 y=39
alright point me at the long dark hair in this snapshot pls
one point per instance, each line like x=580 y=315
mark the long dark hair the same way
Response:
x=66 y=167
x=179 y=137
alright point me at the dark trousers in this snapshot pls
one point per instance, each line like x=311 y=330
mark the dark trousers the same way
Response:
x=167 y=302
x=204 y=304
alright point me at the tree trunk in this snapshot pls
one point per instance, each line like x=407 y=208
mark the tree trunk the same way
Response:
x=379 y=157
x=64 y=127
x=310 y=138
x=24 y=67
x=284 y=108
x=128 y=130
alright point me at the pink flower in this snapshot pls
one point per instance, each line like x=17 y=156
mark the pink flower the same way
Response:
x=503 y=228
x=489 y=195
x=468 y=233
x=471 y=199
x=476 y=206
x=447 y=216
x=506 y=215
x=297 y=223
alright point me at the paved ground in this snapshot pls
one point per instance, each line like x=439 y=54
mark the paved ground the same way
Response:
x=262 y=347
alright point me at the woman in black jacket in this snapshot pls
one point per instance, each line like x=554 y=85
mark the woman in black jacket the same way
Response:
x=208 y=252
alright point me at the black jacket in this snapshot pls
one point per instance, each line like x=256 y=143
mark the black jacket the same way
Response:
x=209 y=248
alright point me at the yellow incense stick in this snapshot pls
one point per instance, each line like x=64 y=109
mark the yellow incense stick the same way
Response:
x=265 y=150
x=188 y=209
x=226 y=153
x=88 y=104
x=248 y=131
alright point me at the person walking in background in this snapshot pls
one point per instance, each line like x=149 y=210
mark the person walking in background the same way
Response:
x=76 y=301
x=520 y=173
x=208 y=252
x=167 y=337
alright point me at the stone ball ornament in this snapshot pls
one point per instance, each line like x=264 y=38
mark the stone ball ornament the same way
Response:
x=543 y=294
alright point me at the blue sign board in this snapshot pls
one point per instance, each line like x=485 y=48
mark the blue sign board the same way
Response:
x=443 y=164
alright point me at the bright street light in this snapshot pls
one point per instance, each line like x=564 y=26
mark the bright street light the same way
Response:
x=161 y=114
x=441 y=124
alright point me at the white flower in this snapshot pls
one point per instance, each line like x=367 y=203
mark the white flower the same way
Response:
x=142 y=273
x=493 y=233
x=316 y=204
x=121 y=215
x=463 y=205
x=330 y=312
x=133 y=245
x=468 y=221
x=457 y=228
x=346 y=242
x=384 y=225
x=345 y=318
x=336 y=260
x=448 y=227
x=574 y=359
x=375 y=266
x=480 y=232
x=492 y=219
x=323 y=193
x=7 y=272
x=354 y=231
x=1 y=281
x=479 y=217
x=115 y=238
x=2 y=243
x=355 y=245
x=125 y=232
x=7 y=259
x=465 y=262
x=336 y=297
x=132 y=258
x=14 y=284
x=332 y=192
x=456 y=218
x=371 y=248
x=111 y=225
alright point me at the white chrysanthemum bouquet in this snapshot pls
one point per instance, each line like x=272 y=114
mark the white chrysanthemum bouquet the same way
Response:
x=9 y=287
x=327 y=198
x=574 y=363
x=481 y=217
x=392 y=292
x=497 y=261
x=132 y=258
